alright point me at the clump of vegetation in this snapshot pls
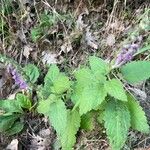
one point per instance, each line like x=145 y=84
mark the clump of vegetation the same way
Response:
x=98 y=91
x=95 y=89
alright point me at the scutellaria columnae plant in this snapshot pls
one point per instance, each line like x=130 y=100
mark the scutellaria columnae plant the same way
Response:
x=93 y=90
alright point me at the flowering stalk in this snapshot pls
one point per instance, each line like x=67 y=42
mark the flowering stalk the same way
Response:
x=127 y=53
x=17 y=78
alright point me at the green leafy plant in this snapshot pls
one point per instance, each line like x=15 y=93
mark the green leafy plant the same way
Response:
x=12 y=114
x=94 y=91
x=46 y=21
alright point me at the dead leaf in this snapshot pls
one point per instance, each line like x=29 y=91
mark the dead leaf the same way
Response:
x=12 y=96
x=21 y=35
x=117 y=25
x=79 y=23
x=13 y=145
x=45 y=133
x=49 y=58
x=27 y=50
x=91 y=40
x=110 y=40
x=39 y=143
x=66 y=47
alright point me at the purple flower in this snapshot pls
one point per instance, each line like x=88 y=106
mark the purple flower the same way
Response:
x=17 y=78
x=127 y=53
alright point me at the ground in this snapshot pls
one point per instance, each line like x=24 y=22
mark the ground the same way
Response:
x=66 y=32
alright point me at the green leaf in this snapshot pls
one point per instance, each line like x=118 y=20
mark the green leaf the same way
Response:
x=117 y=123
x=47 y=20
x=84 y=75
x=44 y=105
x=31 y=72
x=101 y=109
x=138 y=118
x=55 y=82
x=58 y=116
x=100 y=117
x=98 y=65
x=6 y=122
x=10 y=106
x=90 y=97
x=16 y=128
x=36 y=33
x=51 y=75
x=87 y=121
x=88 y=91
x=57 y=113
x=115 y=88
x=142 y=50
x=61 y=85
x=68 y=138
x=23 y=101
x=135 y=72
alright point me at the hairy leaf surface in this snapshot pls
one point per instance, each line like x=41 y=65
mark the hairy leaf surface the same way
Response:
x=135 y=72
x=87 y=121
x=6 y=122
x=10 y=106
x=23 y=101
x=61 y=84
x=115 y=88
x=68 y=138
x=55 y=82
x=138 y=118
x=57 y=113
x=98 y=65
x=50 y=77
x=117 y=123
x=88 y=92
x=16 y=128
x=31 y=72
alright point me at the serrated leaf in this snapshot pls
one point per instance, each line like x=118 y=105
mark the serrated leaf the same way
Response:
x=51 y=75
x=10 y=106
x=44 y=105
x=58 y=116
x=61 y=85
x=138 y=118
x=31 y=72
x=136 y=72
x=89 y=97
x=68 y=138
x=55 y=82
x=6 y=122
x=23 y=101
x=57 y=113
x=83 y=76
x=98 y=65
x=87 y=121
x=88 y=91
x=115 y=88
x=16 y=128
x=117 y=123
